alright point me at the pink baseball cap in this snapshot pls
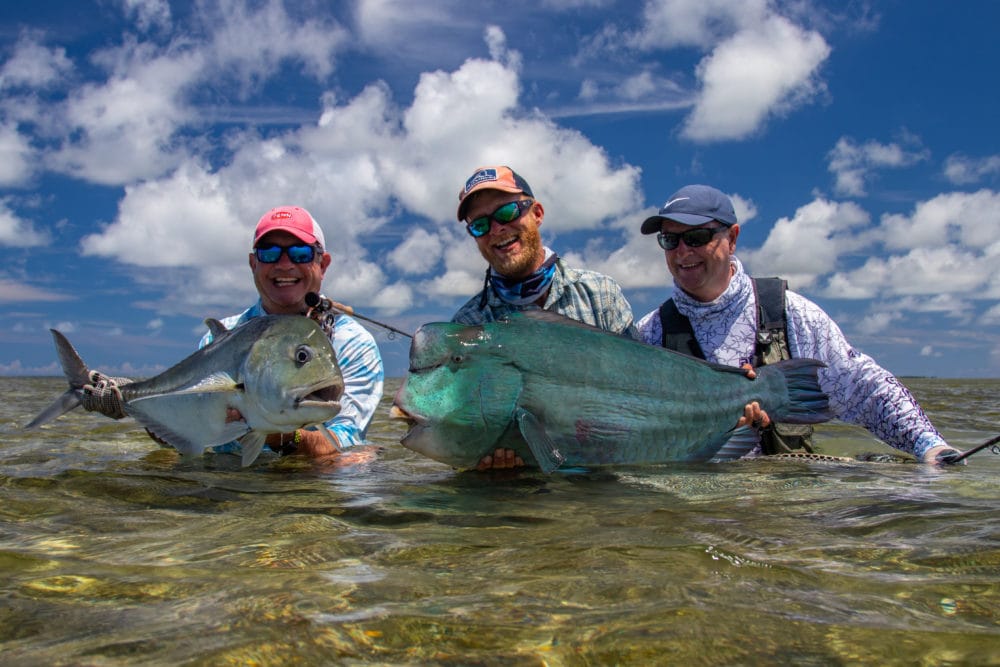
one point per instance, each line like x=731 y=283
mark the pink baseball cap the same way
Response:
x=293 y=220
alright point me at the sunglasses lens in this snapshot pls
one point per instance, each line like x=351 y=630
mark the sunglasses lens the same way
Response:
x=301 y=254
x=668 y=241
x=695 y=238
x=479 y=226
x=268 y=254
x=507 y=213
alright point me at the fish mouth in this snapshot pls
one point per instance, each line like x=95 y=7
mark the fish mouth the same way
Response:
x=324 y=393
x=415 y=422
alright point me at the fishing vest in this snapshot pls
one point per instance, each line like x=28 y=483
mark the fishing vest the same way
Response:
x=771 y=346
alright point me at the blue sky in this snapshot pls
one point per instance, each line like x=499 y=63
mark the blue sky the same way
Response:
x=141 y=140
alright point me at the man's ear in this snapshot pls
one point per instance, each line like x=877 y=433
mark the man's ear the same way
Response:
x=539 y=211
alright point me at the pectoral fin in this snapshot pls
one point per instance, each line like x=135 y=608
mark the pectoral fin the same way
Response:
x=188 y=422
x=252 y=443
x=739 y=443
x=544 y=449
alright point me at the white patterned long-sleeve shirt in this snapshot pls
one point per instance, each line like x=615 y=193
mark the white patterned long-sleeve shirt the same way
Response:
x=360 y=364
x=861 y=392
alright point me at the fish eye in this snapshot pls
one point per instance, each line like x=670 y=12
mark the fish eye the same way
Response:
x=303 y=354
x=457 y=358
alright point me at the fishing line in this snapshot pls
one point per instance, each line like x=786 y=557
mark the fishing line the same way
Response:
x=320 y=305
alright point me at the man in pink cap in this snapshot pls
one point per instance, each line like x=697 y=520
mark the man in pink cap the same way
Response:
x=288 y=260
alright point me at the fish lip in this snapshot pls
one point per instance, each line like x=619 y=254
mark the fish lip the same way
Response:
x=417 y=423
x=327 y=392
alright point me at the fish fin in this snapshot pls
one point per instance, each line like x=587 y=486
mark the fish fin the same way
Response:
x=740 y=443
x=189 y=422
x=252 y=443
x=808 y=403
x=546 y=453
x=66 y=402
x=77 y=374
x=216 y=328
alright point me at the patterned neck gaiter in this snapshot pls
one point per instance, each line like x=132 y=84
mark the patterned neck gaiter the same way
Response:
x=524 y=292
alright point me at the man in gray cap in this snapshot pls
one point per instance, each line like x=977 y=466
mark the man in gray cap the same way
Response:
x=719 y=313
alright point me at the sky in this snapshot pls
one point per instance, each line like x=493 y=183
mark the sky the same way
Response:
x=141 y=140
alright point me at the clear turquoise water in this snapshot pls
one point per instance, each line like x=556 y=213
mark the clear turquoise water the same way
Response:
x=115 y=552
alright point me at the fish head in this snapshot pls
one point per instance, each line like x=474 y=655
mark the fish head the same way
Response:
x=459 y=395
x=291 y=377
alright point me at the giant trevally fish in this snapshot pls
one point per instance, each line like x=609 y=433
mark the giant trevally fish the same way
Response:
x=279 y=371
x=559 y=392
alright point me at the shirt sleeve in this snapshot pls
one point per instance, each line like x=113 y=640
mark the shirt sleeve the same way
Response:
x=361 y=366
x=650 y=328
x=861 y=392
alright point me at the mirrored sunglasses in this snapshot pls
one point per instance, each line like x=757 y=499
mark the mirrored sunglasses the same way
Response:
x=299 y=253
x=505 y=214
x=693 y=238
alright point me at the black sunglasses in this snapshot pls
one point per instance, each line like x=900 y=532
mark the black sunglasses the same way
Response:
x=693 y=238
x=505 y=214
x=300 y=253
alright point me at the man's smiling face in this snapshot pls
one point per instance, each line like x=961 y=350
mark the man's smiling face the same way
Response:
x=514 y=250
x=283 y=285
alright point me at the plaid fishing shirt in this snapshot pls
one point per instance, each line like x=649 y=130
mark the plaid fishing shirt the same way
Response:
x=586 y=296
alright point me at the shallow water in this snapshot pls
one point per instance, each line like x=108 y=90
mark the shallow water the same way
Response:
x=113 y=551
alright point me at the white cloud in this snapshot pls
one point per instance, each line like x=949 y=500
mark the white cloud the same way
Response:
x=149 y=14
x=17 y=158
x=808 y=245
x=696 y=22
x=33 y=65
x=963 y=170
x=970 y=219
x=419 y=253
x=755 y=74
x=123 y=130
x=252 y=40
x=923 y=271
x=362 y=160
x=17 y=232
x=852 y=163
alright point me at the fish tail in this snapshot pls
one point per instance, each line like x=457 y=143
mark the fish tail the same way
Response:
x=77 y=374
x=807 y=402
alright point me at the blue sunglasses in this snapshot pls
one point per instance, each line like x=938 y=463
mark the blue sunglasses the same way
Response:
x=300 y=253
x=507 y=213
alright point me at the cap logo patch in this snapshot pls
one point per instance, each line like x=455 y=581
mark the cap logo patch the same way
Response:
x=674 y=201
x=481 y=176
x=282 y=215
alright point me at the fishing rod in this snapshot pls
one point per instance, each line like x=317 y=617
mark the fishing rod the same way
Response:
x=992 y=442
x=319 y=305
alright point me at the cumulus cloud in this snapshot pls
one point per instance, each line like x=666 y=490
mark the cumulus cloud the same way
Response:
x=34 y=65
x=17 y=232
x=362 y=161
x=149 y=14
x=809 y=244
x=964 y=170
x=419 y=253
x=968 y=219
x=753 y=76
x=852 y=163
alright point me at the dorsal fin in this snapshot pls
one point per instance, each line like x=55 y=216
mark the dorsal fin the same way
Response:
x=216 y=328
